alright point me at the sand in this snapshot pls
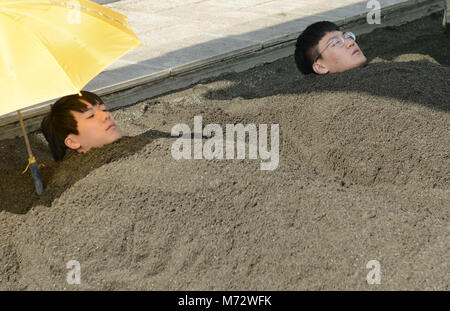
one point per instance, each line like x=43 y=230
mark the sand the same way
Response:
x=364 y=174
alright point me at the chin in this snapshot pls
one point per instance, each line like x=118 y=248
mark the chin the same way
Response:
x=116 y=139
x=361 y=61
x=116 y=135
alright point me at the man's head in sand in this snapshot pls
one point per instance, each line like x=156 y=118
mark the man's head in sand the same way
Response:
x=79 y=123
x=322 y=48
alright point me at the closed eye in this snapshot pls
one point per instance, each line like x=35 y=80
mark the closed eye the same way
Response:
x=333 y=42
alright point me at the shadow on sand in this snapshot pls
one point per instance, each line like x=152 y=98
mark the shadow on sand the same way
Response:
x=18 y=189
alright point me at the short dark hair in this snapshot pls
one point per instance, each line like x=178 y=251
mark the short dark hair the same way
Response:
x=305 y=48
x=60 y=122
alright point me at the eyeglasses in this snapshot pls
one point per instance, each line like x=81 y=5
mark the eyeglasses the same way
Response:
x=338 y=41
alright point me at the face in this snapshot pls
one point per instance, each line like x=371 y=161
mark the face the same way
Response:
x=96 y=128
x=338 y=58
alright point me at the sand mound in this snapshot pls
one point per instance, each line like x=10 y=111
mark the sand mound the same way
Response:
x=363 y=175
x=356 y=126
x=146 y=221
x=222 y=225
x=385 y=123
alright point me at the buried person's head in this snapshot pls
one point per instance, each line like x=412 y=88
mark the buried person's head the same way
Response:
x=79 y=123
x=322 y=48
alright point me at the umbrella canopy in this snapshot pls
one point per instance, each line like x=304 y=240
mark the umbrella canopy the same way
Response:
x=52 y=48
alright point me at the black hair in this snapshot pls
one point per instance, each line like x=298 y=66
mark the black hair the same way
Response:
x=60 y=122
x=307 y=41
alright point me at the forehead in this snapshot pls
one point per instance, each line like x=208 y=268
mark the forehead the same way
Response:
x=88 y=107
x=86 y=103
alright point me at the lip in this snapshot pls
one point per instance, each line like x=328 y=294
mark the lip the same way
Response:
x=111 y=126
x=356 y=52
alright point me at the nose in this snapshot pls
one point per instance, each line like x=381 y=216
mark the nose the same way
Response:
x=349 y=43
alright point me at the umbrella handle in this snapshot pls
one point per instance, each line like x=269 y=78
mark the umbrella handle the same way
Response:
x=36 y=176
x=31 y=160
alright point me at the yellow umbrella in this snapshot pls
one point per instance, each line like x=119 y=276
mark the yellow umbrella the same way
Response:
x=53 y=48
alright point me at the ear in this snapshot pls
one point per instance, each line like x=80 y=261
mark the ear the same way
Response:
x=320 y=68
x=71 y=142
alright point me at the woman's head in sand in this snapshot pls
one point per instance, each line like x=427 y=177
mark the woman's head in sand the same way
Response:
x=322 y=48
x=79 y=123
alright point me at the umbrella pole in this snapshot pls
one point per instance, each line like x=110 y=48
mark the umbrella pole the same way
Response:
x=31 y=160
